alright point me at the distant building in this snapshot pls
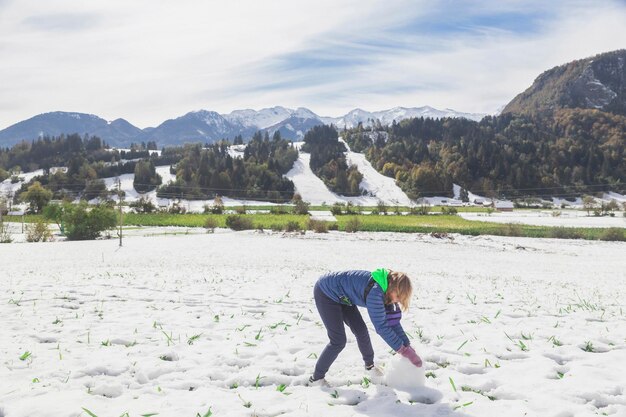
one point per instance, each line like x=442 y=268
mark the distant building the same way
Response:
x=504 y=205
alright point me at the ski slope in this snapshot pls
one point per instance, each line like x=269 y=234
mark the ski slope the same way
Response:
x=376 y=184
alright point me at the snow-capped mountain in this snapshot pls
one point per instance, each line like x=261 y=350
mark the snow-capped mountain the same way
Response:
x=259 y=119
x=195 y=126
x=386 y=117
x=208 y=126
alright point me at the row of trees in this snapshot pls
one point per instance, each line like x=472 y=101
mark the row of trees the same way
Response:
x=571 y=152
x=328 y=161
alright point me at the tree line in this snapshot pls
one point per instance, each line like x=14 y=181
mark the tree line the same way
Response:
x=566 y=153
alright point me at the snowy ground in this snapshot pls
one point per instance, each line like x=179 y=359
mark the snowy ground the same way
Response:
x=566 y=218
x=180 y=324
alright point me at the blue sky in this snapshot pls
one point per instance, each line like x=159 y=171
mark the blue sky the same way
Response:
x=149 y=60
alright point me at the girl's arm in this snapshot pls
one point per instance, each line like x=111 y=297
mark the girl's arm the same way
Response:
x=401 y=334
x=378 y=316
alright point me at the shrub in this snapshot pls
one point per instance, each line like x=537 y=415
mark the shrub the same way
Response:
x=333 y=226
x=513 y=229
x=564 y=233
x=38 y=231
x=143 y=205
x=210 y=224
x=218 y=205
x=350 y=208
x=337 y=209
x=241 y=210
x=82 y=222
x=613 y=234
x=238 y=222
x=353 y=225
x=449 y=210
x=3 y=207
x=279 y=210
x=176 y=208
x=318 y=226
x=292 y=226
x=382 y=207
x=419 y=211
x=301 y=207
x=5 y=236
x=275 y=227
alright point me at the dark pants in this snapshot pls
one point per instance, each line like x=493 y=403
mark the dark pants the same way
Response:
x=334 y=315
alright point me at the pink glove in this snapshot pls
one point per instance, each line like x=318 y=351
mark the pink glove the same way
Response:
x=409 y=353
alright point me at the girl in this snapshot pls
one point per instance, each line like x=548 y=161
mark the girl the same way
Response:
x=337 y=296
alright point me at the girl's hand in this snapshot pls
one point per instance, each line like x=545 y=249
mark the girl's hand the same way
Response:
x=409 y=353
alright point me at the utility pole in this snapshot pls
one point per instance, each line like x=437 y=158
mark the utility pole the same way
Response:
x=119 y=202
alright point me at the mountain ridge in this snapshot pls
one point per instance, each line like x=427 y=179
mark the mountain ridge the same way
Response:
x=207 y=126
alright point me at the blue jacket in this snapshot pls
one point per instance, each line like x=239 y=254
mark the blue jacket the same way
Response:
x=348 y=287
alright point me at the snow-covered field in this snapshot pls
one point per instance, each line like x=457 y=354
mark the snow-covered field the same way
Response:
x=566 y=218
x=180 y=324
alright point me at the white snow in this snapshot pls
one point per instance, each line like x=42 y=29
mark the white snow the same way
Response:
x=564 y=218
x=386 y=117
x=178 y=325
x=8 y=188
x=307 y=184
x=375 y=183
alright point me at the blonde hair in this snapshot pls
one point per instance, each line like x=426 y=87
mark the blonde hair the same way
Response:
x=399 y=283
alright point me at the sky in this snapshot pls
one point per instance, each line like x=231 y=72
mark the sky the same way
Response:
x=151 y=60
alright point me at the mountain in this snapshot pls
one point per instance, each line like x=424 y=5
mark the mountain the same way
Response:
x=195 y=126
x=116 y=133
x=387 y=117
x=261 y=119
x=208 y=126
x=598 y=83
x=294 y=127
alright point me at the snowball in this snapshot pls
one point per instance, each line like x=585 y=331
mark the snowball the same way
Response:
x=402 y=375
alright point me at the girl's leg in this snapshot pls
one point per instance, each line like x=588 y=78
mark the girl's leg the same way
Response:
x=352 y=317
x=331 y=314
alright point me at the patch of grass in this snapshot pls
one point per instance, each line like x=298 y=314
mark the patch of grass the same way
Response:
x=352 y=225
x=565 y=233
x=209 y=413
x=467 y=388
x=615 y=234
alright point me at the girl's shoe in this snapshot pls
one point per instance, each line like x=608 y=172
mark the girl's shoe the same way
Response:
x=317 y=382
x=374 y=371
x=375 y=374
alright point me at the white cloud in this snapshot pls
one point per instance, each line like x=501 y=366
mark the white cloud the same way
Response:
x=148 y=60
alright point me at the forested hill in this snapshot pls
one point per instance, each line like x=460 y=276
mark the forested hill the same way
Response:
x=598 y=83
x=571 y=152
x=564 y=136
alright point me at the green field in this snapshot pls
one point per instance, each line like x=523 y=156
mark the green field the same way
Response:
x=374 y=223
x=264 y=221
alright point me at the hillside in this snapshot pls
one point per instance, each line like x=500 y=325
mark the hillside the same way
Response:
x=597 y=82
